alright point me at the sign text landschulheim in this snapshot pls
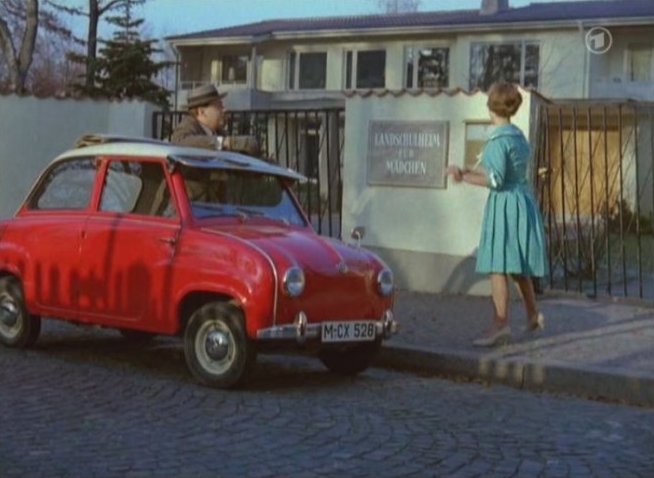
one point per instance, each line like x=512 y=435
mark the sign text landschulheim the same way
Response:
x=407 y=153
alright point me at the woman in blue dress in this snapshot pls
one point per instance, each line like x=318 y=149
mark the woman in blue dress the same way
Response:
x=512 y=238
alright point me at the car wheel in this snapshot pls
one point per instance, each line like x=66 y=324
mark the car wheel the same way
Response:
x=17 y=327
x=349 y=359
x=137 y=336
x=217 y=349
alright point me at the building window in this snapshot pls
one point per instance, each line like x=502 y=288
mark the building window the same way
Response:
x=427 y=67
x=234 y=69
x=230 y=69
x=640 y=63
x=307 y=71
x=348 y=70
x=366 y=68
x=291 y=70
x=512 y=62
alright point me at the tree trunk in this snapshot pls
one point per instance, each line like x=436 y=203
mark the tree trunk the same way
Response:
x=19 y=65
x=92 y=42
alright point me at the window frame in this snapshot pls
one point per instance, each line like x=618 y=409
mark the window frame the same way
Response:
x=351 y=60
x=102 y=178
x=412 y=49
x=37 y=192
x=222 y=69
x=629 y=57
x=294 y=63
x=523 y=58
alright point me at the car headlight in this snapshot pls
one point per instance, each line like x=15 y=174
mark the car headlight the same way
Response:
x=385 y=282
x=293 y=281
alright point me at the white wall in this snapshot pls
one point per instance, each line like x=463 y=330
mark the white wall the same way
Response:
x=423 y=221
x=34 y=131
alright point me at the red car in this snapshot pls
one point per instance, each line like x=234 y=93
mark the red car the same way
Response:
x=212 y=246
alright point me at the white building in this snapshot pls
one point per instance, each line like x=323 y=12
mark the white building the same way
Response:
x=309 y=62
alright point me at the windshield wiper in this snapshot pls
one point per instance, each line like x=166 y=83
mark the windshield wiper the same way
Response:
x=250 y=212
x=257 y=213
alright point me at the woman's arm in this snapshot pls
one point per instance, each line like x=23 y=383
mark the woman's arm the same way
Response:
x=476 y=178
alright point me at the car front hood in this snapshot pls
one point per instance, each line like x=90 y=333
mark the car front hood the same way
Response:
x=340 y=279
x=295 y=247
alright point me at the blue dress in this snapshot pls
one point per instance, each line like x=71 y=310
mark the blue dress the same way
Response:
x=512 y=236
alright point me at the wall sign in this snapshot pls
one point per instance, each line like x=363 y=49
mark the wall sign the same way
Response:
x=407 y=153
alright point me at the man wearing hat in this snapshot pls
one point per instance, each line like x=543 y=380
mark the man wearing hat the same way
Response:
x=205 y=119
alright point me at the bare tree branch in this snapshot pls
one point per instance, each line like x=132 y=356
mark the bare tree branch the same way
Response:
x=66 y=9
x=103 y=9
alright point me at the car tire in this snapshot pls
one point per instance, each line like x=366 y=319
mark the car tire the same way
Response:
x=217 y=349
x=137 y=336
x=349 y=359
x=24 y=328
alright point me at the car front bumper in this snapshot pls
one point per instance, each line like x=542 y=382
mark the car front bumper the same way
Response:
x=300 y=330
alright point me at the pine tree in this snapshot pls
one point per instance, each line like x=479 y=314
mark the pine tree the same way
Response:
x=126 y=68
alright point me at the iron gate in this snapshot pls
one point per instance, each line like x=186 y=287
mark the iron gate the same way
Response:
x=594 y=178
x=308 y=141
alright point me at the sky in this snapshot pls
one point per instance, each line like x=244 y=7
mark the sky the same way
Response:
x=173 y=17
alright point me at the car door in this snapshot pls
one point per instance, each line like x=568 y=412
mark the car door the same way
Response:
x=128 y=246
x=53 y=220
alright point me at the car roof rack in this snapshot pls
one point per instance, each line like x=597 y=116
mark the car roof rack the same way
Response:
x=95 y=139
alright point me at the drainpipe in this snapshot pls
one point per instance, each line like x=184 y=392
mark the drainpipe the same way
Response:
x=176 y=77
x=586 y=80
x=253 y=69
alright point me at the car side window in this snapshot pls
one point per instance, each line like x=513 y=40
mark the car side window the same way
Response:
x=69 y=185
x=134 y=187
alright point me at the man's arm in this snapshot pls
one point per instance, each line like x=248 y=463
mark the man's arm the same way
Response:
x=194 y=140
x=245 y=144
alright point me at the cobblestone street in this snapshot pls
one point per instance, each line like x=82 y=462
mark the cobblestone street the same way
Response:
x=84 y=403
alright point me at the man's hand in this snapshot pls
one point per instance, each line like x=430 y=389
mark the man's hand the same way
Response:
x=242 y=144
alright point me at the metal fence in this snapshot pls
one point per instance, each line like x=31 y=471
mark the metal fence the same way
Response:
x=308 y=141
x=594 y=178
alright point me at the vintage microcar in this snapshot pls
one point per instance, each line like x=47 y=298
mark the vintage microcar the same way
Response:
x=212 y=246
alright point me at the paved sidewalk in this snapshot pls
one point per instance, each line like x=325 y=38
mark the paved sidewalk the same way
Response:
x=592 y=348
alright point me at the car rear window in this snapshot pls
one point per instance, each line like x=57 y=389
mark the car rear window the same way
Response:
x=68 y=185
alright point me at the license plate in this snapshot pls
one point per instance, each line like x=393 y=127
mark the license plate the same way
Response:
x=356 y=331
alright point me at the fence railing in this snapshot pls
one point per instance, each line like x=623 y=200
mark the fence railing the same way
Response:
x=308 y=141
x=594 y=178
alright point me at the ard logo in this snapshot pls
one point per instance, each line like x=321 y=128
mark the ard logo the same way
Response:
x=598 y=40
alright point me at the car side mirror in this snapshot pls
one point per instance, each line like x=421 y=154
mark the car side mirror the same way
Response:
x=357 y=234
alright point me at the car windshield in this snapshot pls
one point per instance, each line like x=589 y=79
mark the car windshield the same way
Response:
x=222 y=193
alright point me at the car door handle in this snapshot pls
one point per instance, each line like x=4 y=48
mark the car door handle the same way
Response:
x=171 y=241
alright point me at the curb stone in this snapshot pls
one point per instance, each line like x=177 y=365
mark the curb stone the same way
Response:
x=545 y=376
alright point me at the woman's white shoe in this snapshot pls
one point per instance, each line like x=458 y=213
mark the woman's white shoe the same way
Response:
x=500 y=336
x=535 y=324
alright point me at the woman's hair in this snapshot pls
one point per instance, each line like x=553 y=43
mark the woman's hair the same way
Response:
x=504 y=99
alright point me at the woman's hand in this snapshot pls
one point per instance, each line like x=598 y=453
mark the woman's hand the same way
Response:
x=455 y=172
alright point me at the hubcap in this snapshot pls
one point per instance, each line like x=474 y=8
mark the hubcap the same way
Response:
x=8 y=313
x=10 y=317
x=216 y=345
